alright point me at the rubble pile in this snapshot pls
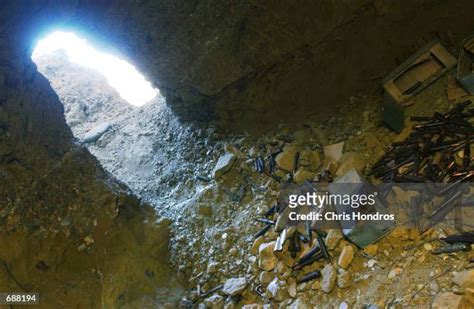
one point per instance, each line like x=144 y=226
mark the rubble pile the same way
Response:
x=229 y=241
x=287 y=266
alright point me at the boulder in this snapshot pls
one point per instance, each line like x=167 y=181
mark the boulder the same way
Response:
x=223 y=165
x=234 y=286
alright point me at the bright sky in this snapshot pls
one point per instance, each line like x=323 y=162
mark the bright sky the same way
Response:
x=129 y=83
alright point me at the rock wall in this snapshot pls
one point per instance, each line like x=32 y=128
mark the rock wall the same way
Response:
x=253 y=63
x=68 y=229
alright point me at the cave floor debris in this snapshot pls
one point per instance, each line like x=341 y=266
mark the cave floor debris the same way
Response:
x=170 y=165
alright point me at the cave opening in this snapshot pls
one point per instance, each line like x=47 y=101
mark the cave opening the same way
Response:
x=109 y=105
x=95 y=87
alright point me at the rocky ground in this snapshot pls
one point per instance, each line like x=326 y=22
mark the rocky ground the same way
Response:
x=208 y=183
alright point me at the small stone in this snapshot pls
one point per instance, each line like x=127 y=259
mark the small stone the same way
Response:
x=333 y=238
x=251 y=306
x=229 y=305
x=464 y=278
x=292 y=289
x=447 y=300
x=333 y=152
x=302 y=175
x=223 y=165
x=266 y=277
x=371 y=263
x=169 y=306
x=468 y=298
x=299 y=304
x=434 y=287
x=428 y=247
x=286 y=159
x=89 y=239
x=205 y=210
x=277 y=289
x=234 y=286
x=314 y=160
x=95 y=133
x=329 y=277
x=253 y=152
x=211 y=267
x=349 y=161
x=400 y=233
x=256 y=244
x=232 y=149
x=371 y=250
x=395 y=272
x=346 y=256
x=215 y=301
x=344 y=279
x=266 y=259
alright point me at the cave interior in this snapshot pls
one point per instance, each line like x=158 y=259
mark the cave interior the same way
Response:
x=105 y=203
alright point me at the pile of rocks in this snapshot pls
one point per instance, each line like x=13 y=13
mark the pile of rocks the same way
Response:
x=273 y=277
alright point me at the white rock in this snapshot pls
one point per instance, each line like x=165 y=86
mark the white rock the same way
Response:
x=329 y=277
x=234 y=286
x=215 y=301
x=223 y=165
x=94 y=134
x=277 y=290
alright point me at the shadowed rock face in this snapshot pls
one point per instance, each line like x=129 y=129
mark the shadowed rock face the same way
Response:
x=247 y=64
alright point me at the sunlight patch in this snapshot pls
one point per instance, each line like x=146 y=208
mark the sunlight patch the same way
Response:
x=124 y=77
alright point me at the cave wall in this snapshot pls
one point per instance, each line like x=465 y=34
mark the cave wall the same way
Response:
x=68 y=229
x=253 y=63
